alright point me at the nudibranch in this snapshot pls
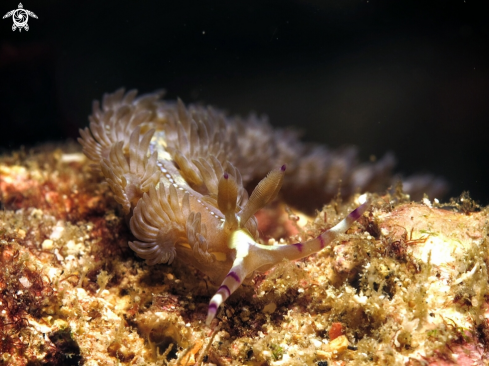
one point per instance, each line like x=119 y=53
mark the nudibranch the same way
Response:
x=179 y=174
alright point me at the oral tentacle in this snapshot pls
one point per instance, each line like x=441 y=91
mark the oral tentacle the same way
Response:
x=230 y=284
x=303 y=249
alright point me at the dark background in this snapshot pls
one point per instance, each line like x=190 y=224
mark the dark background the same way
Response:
x=402 y=76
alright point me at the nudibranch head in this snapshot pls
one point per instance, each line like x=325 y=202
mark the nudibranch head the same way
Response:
x=251 y=256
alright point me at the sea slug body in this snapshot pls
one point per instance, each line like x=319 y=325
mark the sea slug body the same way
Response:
x=180 y=174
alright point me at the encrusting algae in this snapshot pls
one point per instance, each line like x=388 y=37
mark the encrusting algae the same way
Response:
x=406 y=283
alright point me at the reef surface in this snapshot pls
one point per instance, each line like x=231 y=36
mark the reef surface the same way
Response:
x=407 y=284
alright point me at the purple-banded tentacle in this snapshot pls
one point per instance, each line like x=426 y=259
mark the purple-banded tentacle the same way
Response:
x=301 y=250
x=230 y=284
x=251 y=256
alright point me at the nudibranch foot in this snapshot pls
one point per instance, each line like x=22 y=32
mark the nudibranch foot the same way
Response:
x=251 y=256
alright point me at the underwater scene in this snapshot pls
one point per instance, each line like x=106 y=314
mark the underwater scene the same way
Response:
x=249 y=183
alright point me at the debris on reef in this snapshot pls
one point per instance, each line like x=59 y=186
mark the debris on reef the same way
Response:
x=408 y=284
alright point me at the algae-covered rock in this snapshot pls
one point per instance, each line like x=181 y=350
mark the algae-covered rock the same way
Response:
x=407 y=284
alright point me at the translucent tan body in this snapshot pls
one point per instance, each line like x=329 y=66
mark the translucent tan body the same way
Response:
x=172 y=170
